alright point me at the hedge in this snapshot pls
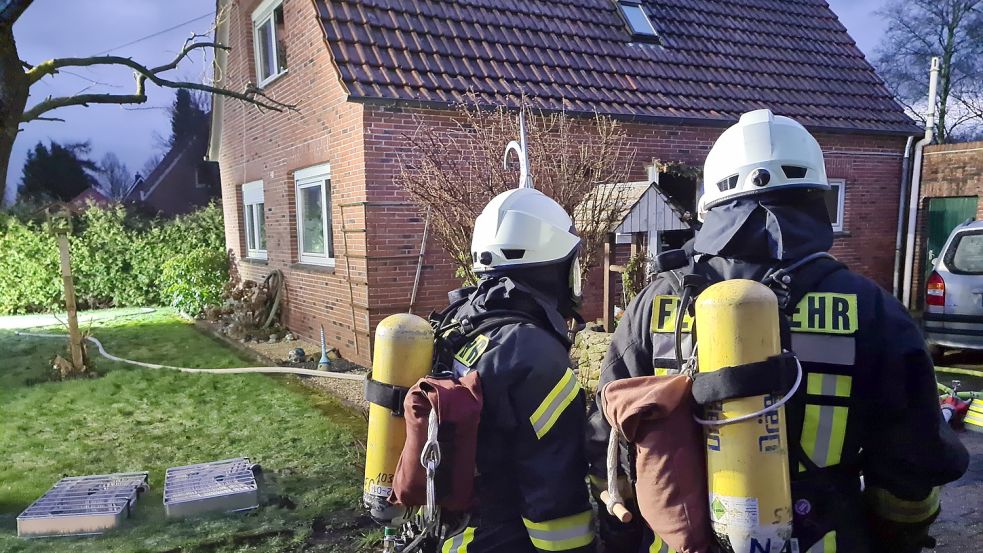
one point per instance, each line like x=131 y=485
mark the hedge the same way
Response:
x=118 y=259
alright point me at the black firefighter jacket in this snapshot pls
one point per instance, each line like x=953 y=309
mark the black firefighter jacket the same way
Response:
x=531 y=462
x=867 y=405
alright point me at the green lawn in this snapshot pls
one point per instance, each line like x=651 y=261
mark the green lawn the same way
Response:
x=134 y=419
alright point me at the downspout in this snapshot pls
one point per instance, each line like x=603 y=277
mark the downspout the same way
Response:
x=916 y=182
x=900 y=236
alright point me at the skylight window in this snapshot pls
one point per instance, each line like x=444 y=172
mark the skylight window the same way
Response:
x=637 y=19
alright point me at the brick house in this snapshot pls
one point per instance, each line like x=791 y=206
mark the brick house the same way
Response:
x=174 y=187
x=951 y=192
x=315 y=193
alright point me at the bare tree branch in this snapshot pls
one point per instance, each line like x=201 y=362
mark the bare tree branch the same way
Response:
x=250 y=94
x=53 y=119
x=49 y=104
x=454 y=168
x=51 y=67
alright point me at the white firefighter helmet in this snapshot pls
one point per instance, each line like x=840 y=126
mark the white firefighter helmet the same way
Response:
x=522 y=228
x=761 y=153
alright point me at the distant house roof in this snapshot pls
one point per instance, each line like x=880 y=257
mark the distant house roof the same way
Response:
x=717 y=59
x=89 y=196
x=172 y=188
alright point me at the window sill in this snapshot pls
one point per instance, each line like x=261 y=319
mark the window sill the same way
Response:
x=313 y=267
x=255 y=261
x=271 y=80
x=841 y=234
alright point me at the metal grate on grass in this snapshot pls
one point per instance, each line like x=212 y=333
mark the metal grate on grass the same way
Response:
x=225 y=486
x=81 y=505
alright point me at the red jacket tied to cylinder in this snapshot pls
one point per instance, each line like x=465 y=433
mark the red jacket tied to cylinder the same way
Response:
x=457 y=402
x=655 y=414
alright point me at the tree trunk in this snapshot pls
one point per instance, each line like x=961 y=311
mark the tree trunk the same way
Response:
x=13 y=97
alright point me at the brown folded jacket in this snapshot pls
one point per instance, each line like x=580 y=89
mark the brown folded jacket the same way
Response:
x=655 y=414
x=458 y=405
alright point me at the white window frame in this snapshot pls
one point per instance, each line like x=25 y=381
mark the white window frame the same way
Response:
x=840 y=185
x=319 y=175
x=262 y=14
x=650 y=33
x=253 y=195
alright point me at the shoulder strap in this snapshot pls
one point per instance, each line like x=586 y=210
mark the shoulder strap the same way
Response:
x=792 y=283
x=491 y=320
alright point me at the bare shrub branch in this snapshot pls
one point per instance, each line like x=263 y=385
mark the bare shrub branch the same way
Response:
x=455 y=168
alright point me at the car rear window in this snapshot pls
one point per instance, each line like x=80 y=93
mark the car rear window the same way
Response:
x=967 y=254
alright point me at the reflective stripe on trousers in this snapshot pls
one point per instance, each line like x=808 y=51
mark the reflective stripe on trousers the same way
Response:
x=825 y=545
x=556 y=402
x=459 y=543
x=824 y=426
x=561 y=534
x=659 y=546
x=893 y=508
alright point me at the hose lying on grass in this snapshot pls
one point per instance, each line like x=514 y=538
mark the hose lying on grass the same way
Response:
x=237 y=370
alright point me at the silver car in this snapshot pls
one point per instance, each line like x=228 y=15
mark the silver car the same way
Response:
x=953 y=315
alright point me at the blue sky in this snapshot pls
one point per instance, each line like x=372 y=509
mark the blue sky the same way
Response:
x=61 y=28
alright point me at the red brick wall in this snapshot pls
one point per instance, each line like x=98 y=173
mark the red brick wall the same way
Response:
x=363 y=142
x=947 y=170
x=870 y=165
x=271 y=146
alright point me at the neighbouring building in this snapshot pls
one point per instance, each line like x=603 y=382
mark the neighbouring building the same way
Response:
x=174 y=187
x=315 y=193
x=951 y=192
x=91 y=196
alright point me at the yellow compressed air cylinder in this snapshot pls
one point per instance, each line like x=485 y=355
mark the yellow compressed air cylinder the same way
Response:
x=403 y=354
x=747 y=462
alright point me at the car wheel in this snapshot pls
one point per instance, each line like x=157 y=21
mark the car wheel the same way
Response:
x=936 y=352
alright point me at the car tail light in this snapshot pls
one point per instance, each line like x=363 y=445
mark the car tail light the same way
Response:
x=935 y=291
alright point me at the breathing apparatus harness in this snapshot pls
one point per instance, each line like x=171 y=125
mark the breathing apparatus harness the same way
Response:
x=429 y=525
x=790 y=284
x=808 y=272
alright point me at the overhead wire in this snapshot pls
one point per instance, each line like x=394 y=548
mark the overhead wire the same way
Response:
x=155 y=34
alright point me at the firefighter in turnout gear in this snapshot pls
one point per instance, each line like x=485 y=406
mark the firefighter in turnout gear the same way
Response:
x=531 y=463
x=868 y=449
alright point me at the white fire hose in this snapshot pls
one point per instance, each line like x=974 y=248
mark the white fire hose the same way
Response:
x=236 y=370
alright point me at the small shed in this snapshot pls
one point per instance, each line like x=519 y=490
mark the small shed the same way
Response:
x=649 y=224
x=650 y=221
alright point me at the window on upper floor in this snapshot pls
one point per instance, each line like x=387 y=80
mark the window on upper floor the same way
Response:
x=268 y=40
x=638 y=20
x=835 y=200
x=314 y=237
x=254 y=210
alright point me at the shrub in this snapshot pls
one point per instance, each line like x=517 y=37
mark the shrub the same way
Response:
x=30 y=279
x=117 y=258
x=195 y=280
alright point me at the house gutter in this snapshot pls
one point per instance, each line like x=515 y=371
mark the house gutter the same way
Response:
x=916 y=183
x=899 y=239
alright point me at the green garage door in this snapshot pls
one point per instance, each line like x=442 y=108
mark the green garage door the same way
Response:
x=943 y=215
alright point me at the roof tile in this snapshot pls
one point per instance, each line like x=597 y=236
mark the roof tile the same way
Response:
x=715 y=60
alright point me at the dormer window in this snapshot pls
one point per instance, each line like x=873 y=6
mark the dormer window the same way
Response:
x=638 y=20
